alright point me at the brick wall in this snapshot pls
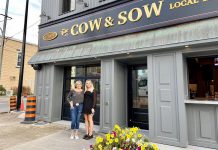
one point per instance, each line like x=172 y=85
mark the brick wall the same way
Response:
x=10 y=71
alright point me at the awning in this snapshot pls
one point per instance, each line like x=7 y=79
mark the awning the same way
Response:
x=195 y=32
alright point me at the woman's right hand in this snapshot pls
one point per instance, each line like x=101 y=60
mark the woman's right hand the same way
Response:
x=71 y=104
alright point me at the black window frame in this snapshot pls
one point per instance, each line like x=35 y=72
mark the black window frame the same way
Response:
x=19 y=55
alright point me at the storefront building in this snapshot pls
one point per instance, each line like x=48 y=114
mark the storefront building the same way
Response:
x=154 y=65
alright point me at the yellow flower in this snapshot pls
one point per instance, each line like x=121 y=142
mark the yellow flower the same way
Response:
x=99 y=140
x=116 y=140
x=107 y=143
x=112 y=135
x=108 y=136
x=121 y=137
x=128 y=136
x=145 y=145
x=155 y=146
x=139 y=135
x=136 y=129
x=131 y=134
x=100 y=146
x=117 y=127
x=110 y=141
x=131 y=129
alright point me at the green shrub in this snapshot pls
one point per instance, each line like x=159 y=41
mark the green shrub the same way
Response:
x=2 y=90
x=25 y=90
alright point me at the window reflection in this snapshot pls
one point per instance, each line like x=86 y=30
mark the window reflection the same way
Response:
x=93 y=71
x=140 y=88
x=203 y=78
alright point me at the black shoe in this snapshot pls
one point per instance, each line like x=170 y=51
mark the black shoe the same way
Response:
x=89 y=137
x=85 y=136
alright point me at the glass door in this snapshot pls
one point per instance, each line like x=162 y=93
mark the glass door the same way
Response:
x=138 y=97
x=82 y=73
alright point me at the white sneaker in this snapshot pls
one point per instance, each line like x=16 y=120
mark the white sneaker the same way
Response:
x=71 y=137
x=77 y=137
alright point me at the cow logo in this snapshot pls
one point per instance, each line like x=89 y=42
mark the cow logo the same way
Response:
x=50 y=36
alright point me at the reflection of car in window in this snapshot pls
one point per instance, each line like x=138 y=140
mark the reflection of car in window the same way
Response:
x=143 y=87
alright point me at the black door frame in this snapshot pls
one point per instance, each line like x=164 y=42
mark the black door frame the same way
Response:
x=82 y=78
x=130 y=94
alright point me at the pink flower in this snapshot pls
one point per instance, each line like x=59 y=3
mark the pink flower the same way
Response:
x=114 y=133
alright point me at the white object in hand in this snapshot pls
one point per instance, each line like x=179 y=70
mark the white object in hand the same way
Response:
x=93 y=111
x=77 y=104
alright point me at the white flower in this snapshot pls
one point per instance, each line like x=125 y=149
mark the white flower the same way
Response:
x=139 y=142
x=127 y=140
x=114 y=148
x=133 y=140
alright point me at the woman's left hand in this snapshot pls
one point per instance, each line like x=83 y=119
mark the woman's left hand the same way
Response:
x=93 y=111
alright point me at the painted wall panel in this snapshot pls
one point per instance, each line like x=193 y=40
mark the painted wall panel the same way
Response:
x=53 y=8
x=205 y=121
x=56 y=93
x=39 y=93
x=43 y=93
x=167 y=120
x=106 y=95
x=202 y=125
x=119 y=105
x=50 y=8
x=106 y=105
x=164 y=73
x=165 y=95
x=165 y=102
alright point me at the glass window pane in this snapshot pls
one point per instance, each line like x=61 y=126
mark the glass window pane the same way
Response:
x=139 y=88
x=96 y=83
x=19 y=59
x=94 y=71
x=77 y=71
x=203 y=78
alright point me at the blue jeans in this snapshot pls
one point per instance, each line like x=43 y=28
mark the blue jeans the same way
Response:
x=75 y=116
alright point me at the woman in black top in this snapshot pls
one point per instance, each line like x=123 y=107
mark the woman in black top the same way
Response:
x=89 y=105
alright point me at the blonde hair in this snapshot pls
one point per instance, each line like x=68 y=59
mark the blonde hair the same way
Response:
x=78 y=82
x=92 y=86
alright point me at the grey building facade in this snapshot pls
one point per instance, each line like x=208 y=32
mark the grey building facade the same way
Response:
x=163 y=80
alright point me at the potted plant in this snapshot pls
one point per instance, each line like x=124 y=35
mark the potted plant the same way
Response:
x=123 y=139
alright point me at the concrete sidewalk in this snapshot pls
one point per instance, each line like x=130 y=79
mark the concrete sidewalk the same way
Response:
x=56 y=141
x=61 y=141
x=49 y=136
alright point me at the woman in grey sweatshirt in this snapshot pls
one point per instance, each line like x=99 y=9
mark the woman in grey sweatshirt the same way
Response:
x=75 y=98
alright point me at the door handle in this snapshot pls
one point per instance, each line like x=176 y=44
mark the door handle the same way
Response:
x=106 y=103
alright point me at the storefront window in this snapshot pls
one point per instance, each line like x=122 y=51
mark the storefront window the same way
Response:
x=77 y=71
x=203 y=78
